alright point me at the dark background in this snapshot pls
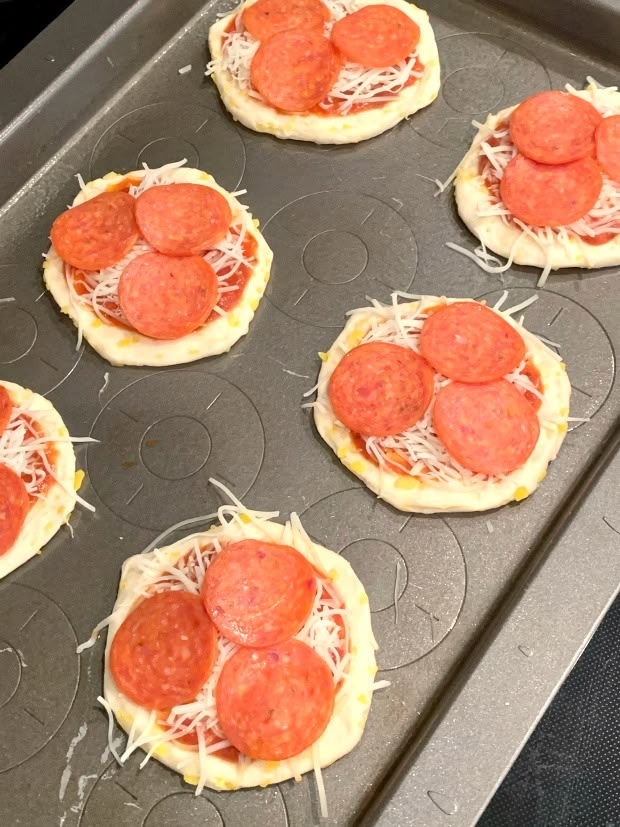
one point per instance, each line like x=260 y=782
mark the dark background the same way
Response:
x=569 y=771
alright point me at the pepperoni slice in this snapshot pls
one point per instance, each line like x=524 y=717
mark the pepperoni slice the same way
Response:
x=554 y=127
x=98 y=233
x=6 y=407
x=268 y=17
x=608 y=146
x=182 y=219
x=490 y=429
x=164 y=650
x=14 y=505
x=376 y=36
x=258 y=593
x=274 y=703
x=469 y=342
x=380 y=389
x=294 y=70
x=167 y=297
x=550 y=196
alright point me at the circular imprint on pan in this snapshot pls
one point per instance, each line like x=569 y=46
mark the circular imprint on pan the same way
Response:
x=38 y=642
x=418 y=559
x=37 y=350
x=157 y=797
x=591 y=369
x=333 y=249
x=169 y=131
x=163 y=436
x=482 y=73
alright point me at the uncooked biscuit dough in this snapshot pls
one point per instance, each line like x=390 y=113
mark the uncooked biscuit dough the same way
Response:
x=353 y=696
x=50 y=512
x=122 y=346
x=509 y=240
x=418 y=494
x=330 y=129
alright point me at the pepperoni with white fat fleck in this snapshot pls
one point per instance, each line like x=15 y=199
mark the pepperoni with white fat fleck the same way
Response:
x=268 y=17
x=294 y=70
x=554 y=127
x=164 y=650
x=259 y=593
x=97 y=233
x=6 y=408
x=489 y=428
x=167 y=297
x=274 y=703
x=546 y=195
x=182 y=219
x=376 y=36
x=608 y=146
x=469 y=342
x=380 y=388
x=14 y=507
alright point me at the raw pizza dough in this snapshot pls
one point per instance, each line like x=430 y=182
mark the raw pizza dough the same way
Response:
x=121 y=346
x=502 y=238
x=48 y=514
x=331 y=129
x=414 y=494
x=353 y=698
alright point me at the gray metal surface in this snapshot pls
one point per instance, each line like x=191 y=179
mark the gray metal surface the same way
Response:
x=463 y=698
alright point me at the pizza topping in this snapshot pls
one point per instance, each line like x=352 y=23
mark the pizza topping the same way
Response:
x=274 y=703
x=380 y=389
x=182 y=219
x=468 y=342
x=554 y=127
x=268 y=17
x=258 y=594
x=6 y=406
x=358 y=88
x=164 y=650
x=97 y=233
x=14 y=506
x=167 y=297
x=550 y=195
x=376 y=36
x=608 y=146
x=489 y=428
x=294 y=70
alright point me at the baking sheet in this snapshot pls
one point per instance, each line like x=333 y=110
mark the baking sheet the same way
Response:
x=463 y=698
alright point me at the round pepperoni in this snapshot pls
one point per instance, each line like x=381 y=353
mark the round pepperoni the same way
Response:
x=550 y=196
x=554 y=127
x=98 y=233
x=380 y=389
x=14 y=505
x=469 y=342
x=182 y=219
x=258 y=593
x=490 y=429
x=294 y=70
x=608 y=146
x=167 y=297
x=274 y=703
x=6 y=407
x=376 y=36
x=268 y=17
x=164 y=650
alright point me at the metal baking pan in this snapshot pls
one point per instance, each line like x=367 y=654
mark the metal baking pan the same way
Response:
x=488 y=623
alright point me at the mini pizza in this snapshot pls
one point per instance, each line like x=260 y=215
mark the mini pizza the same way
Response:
x=240 y=656
x=38 y=481
x=442 y=404
x=541 y=182
x=157 y=267
x=332 y=72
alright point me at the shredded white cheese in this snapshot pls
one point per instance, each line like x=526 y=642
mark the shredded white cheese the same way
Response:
x=356 y=84
x=98 y=290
